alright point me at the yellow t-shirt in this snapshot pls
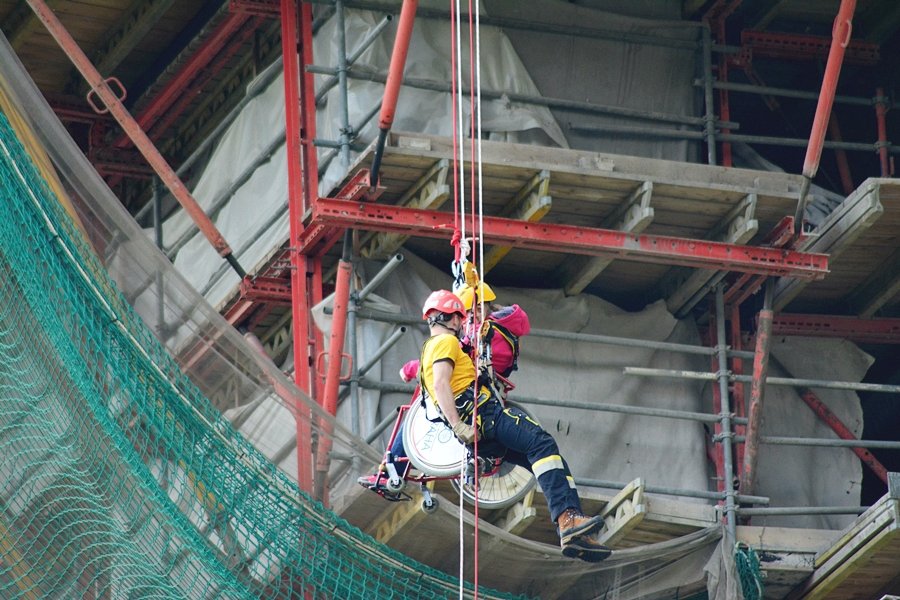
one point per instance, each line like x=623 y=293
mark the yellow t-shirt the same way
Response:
x=446 y=347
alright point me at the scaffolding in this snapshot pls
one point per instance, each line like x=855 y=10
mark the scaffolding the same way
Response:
x=318 y=223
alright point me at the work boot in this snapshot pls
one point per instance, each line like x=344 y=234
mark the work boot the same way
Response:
x=571 y=524
x=586 y=548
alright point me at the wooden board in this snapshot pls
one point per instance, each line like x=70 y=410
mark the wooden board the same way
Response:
x=529 y=563
x=863 y=563
x=586 y=188
x=858 y=262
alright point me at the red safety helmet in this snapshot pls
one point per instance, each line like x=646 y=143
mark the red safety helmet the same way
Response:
x=445 y=302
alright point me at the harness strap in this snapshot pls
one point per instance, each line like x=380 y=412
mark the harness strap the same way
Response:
x=512 y=340
x=463 y=401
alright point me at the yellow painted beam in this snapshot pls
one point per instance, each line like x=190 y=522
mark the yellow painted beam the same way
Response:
x=531 y=203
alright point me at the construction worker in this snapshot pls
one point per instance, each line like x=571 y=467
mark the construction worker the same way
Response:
x=447 y=376
x=503 y=327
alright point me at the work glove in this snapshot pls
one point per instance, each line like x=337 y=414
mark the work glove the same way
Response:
x=465 y=433
x=410 y=370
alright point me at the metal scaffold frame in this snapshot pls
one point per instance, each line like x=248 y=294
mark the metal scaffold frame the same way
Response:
x=316 y=223
x=735 y=499
x=354 y=207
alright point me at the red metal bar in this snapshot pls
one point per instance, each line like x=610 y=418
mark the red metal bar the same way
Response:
x=840 y=34
x=309 y=168
x=357 y=189
x=186 y=74
x=881 y=121
x=757 y=396
x=308 y=157
x=398 y=62
x=299 y=263
x=333 y=373
x=833 y=421
x=69 y=110
x=840 y=155
x=134 y=131
x=569 y=238
x=260 y=8
x=876 y=331
x=781 y=236
x=716 y=16
x=195 y=89
x=792 y=46
x=271 y=290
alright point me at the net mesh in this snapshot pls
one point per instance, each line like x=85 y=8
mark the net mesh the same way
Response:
x=747 y=561
x=119 y=478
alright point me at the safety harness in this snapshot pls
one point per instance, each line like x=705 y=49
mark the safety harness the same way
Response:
x=511 y=339
x=464 y=401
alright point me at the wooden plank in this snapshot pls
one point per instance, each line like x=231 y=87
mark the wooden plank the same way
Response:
x=613 y=167
x=634 y=214
x=838 y=232
x=530 y=203
x=873 y=536
x=787 y=539
x=863 y=575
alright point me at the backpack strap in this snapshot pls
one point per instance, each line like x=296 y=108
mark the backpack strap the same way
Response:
x=513 y=341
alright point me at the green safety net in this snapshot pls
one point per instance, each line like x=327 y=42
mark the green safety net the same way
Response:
x=747 y=563
x=120 y=479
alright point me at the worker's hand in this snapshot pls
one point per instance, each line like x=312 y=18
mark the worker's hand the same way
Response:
x=465 y=433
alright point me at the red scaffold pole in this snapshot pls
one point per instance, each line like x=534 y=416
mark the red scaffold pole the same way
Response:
x=840 y=39
x=333 y=371
x=142 y=142
x=392 y=85
x=300 y=292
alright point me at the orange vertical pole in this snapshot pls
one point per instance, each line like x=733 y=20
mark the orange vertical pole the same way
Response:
x=757 y=390
x=333 y=373
x=392 y=85
x=840 y=39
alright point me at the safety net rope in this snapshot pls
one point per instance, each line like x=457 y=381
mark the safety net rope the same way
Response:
x=119 y=478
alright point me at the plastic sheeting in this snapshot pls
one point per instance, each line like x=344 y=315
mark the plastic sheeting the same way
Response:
x=609 y=69
x=620 y=447
x=254 y=219
x=243 y=188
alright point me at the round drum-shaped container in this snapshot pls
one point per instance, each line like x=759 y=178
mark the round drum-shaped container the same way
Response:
x=431 y=447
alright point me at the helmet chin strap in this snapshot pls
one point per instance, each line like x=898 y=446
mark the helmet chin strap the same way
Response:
x=440 y=321
x=455 y=332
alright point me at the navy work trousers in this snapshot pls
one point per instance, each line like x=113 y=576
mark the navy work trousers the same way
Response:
x=529 y=445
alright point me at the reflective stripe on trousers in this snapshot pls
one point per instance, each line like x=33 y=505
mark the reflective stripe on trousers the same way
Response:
x=530 y=446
